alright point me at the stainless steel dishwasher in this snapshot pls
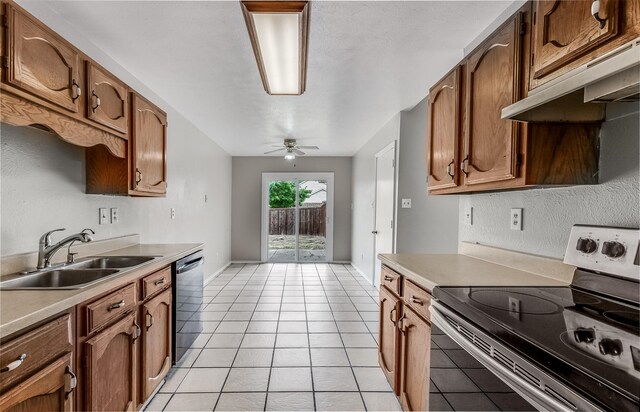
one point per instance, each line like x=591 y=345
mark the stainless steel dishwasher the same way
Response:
x=187 y=277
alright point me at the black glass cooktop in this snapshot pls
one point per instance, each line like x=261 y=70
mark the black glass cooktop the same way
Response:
x=590 y=342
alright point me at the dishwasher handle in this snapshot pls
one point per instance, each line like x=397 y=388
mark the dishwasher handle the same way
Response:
x=190 y=265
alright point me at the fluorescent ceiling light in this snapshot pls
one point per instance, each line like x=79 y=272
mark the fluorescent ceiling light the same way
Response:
x=278 y=32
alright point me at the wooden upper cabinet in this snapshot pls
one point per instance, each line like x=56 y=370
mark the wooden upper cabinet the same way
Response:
x=156 y=342
x=41 y=62
x=107 y=99
x=492 y=82
x=566 y=30
x=149 y=147
x=414 y=368
x=389 y=337
x=444 y=131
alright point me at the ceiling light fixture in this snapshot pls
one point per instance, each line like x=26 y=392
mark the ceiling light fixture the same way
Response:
x=279 y=35
x=290 y=155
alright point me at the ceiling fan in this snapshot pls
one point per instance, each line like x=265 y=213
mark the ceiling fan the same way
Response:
x=292 y=149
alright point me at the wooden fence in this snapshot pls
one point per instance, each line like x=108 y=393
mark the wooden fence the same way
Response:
x=313 y=221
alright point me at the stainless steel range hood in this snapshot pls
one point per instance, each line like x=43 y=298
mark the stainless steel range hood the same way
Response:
x=581 y=95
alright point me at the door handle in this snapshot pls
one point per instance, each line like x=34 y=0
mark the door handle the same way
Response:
x=116 y=306
x=96 y=101
x=450 y=171
x=73 y=382
x=15 y=364
x=149 y=320
x=159 y=281
x=375 y=232
x=76 y=89
x=391 y=316
x=388 y=278
x=416 y=300
x=463 y=165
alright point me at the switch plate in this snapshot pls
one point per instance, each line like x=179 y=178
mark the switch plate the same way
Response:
x=406 y=203
x=468 y=216
x=103 y=216
x=173 y=213
x=516 y=219
x=114 y=215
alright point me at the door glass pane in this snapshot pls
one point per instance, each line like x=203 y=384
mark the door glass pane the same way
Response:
x=312 y=243
x=281 y=245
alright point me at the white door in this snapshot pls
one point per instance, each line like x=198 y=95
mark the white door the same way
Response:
x=384 y=207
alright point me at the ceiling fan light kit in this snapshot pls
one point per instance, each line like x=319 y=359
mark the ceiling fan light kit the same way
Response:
x=291 y=149
x=279 y=36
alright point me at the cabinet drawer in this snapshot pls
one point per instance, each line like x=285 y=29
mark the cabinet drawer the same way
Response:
x=156 y=282
x=417 y=298
x=32 y=351
x=109 y=308
x=390 y=279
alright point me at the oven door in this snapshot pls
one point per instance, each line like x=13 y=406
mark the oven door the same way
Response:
x=541 y=390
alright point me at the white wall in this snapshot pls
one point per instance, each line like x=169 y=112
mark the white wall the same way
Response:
x=431 y=225
x=364 y=185
x=42 y=181
x=549 y=213
x=247 y=201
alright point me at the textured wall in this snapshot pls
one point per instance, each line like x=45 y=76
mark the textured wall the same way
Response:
x=549 y=213
x=431 y=225
x=247 y=201
x=364 y=186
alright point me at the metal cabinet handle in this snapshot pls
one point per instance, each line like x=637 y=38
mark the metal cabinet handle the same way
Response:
x=400 y=323
x=595 y=12
x=15 y=364
x=72 y=383
x=76 y=90
x=450 y=171
x=96 y=101
x=116 y=305
x=391 y=316
x=463 y=165
x=416 y=300
x=160 y=281
x=149 y=320
x=138 y=176
x=388 y=278
x=137 y=332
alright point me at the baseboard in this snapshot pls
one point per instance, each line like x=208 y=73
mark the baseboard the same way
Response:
x=246 y=262
x=215 y=274
x=361 y=273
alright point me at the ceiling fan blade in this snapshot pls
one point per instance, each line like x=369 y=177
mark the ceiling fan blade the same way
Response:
x=277 y=145
x=308 y=147
x=299 y=152
x=273 y=151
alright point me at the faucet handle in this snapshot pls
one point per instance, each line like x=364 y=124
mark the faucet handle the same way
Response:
x=86 y=232
x=46 y=238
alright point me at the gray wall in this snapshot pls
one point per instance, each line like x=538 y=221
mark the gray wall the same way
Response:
x=549 y=213
x=364 y=187
x=247 y=201
x=431 y=225
x=43 y=182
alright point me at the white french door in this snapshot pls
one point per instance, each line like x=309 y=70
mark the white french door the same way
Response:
x=297 y=217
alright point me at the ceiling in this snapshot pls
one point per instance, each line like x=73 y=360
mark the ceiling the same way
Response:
x=367 y=61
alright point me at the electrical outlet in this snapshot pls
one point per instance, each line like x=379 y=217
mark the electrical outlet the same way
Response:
x=406 y=203
x=173 y=213
x=103 y=214
x=114 y=215
x=468 y=216
x=516 y=219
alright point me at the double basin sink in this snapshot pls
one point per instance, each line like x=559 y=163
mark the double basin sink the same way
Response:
x=74 y=275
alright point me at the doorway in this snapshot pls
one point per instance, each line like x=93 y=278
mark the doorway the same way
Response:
x=384 y=223
x=297 y=217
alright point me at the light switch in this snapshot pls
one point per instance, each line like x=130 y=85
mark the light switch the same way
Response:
x=406 y=203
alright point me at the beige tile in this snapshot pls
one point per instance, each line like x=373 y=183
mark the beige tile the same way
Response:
x=215 y=358
x=290 y=340
x=158 y=402
x=363 y=356
x=269 y=316
x=322 y=327
x=319 y=316
x=173 y=379
x=192 y=402
x=339 y=401
x=371 y=379
x=290 y=380
x=212 y=316
x=241 y=402
x=290 y=401
x=292 y=327
x=325 y=340
x=255 y=357
x=225 y=340
x=188 y=358
x=291 y=357
x=258 y=340
x=262 y=327
x=292 y=316
x=203 y=380
x=232 y=327
x=235 y=316
x=334 y=379
x=359 y=340
x=247 y=380
x=381 y=401
x=329 y=357
x=352 y=327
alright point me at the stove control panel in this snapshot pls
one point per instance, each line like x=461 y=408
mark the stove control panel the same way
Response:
x=605 y=249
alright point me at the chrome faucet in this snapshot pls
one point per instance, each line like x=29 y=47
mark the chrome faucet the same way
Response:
x=46 y=250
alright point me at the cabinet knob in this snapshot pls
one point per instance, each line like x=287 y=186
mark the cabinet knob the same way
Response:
x=15 y=364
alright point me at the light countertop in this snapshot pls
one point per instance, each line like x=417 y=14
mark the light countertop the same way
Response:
x=431 y=270
x=20 y=309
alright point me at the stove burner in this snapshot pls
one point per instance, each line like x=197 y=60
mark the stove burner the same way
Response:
x=528 y=304
x=623 y=317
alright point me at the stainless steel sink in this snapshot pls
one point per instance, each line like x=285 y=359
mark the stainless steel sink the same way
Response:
x=112 y=262
x=56 y=279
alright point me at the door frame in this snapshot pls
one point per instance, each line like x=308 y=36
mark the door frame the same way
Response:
x=391 y=146
x=264 y=221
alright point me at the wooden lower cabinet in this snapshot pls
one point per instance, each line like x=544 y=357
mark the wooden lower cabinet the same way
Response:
x=389 y=337
x=110 y=367
x=50 y=389
x=415 y=355
x=156 y=342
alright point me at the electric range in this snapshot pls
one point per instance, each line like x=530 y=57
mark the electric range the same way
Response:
x=561 y=348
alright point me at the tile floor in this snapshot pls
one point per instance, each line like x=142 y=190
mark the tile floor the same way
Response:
x=283 y=337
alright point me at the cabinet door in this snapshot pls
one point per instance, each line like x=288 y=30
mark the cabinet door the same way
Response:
x=493 y=82
x=110 y=374
x=156 y=342
x=107 y=99
x=50 y=389
x=565 y=30
x=41 y=62
x=389 y=337
x=416 y=348
x=149 y=149
x=444 y=131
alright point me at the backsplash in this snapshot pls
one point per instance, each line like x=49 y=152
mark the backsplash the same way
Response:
x=549 y=213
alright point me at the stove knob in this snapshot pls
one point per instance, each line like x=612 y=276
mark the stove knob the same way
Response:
x=584 y=335
x=586 y=245
x=610 y=347
x=613 y=249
